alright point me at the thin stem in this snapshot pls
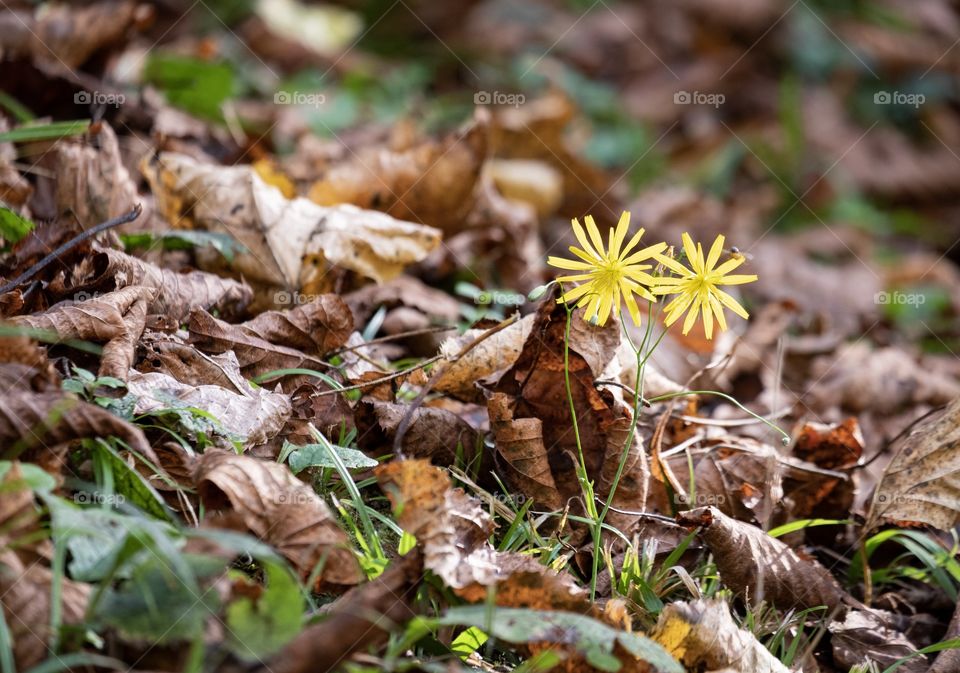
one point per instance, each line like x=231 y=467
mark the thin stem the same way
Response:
x=732 y=400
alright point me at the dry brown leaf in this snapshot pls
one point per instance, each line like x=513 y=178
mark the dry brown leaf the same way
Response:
x=451 y=527
x=864 y=637
x=117 y=318
x=429 y=182
x=528 y=180
x=251 y=416
x=762 y=568
x=177 y=293
x=24 y=363
x=402 y=291
x=703 y=633
x=25 y=592
x=922 y=481
x=169 y=354
x=280 y=234
x=30 y=421
x=279 y=509
x=435 y=434
x=834 y=446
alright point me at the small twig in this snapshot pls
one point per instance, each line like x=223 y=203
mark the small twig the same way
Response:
x=440 y=371
x=72 y=243
x=382 y=379
x=392 y=337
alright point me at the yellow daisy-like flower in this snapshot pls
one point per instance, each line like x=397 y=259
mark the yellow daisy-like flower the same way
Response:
x=608 y=273
x=697 y=288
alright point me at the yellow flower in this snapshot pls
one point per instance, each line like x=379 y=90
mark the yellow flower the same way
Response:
x=697 y=288
x=608 y=273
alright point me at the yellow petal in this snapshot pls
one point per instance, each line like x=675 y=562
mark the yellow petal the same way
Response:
x=633 y=243
x=582 y=237
x=595 y=235
x=616 y=240
x=691 y=250
x=707 y=316
x=736 y=280
x=569 y=264
x=676 y=308
x=585 y=256
x=674 y=265
x=691 y=316
x=731 y=303
x=646 y=253
x=575 y=293
x=729 y=265
x=575 y=278
x=631 y=303
x=718 y=311
x=715 y=251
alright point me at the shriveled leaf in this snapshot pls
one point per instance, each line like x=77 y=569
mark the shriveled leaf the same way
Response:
x=281 y=233
x=253 y=415
x=279 y=509
x=922 y=481
x=760 y=567
x=702 y=633
x=867 y=637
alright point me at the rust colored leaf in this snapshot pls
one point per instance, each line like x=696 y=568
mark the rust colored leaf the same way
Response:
x=279 y=509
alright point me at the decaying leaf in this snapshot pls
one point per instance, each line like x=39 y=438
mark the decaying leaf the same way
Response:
x=279 y=509
x=25 y=592
x=703 y=633
x=280 y=233
x=762 y=568
x=30 y=421
x=922 y=481
x=252 y=416
x=117 y=318
x=866 y=637
x=177 y=293
x=430 y=182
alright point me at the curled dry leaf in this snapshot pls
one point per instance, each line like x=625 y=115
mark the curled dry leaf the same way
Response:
x=280 y=233
x=277 y=339
x=459 y=379
x=279 y=509
x=29 y=421
x=168 y=354
x=922 y=482
x=702 y=633
x=25 y=592
x=762 y=568
x=528 y=180
x=429 y=181
x=117 y=318
x=864 y=637
x=435 y=434
x=834 y=446
x=177 y=293
x=253 y=416
x=402 y=291
x=451 y=527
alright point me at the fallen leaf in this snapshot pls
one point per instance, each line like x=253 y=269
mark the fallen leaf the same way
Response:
x=864 y=637
x=921 y=481
x=279 y=509
x=762 y=568
x=279 y=233
x=702 y=633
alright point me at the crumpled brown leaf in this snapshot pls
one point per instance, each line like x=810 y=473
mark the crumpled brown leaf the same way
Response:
x=760 y=567
x=253 y=415
x=25 y=592
x=431 y=182
x=279 y=509
x=703 y=633
x=864 y=637
x=280 y=234
x=32 y=420
x=177 y=293
x=277 y=339
x=922 y=481
x=117 y=318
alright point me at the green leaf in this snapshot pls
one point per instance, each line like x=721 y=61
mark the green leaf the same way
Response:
x=318 y=455
x=30 y=132
x=260 y=627
x=593 y=639
x=223 y=243
x=33 y=477
x=12 y=226
x=197 y=86
x=131 y=486
x=468 y=642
